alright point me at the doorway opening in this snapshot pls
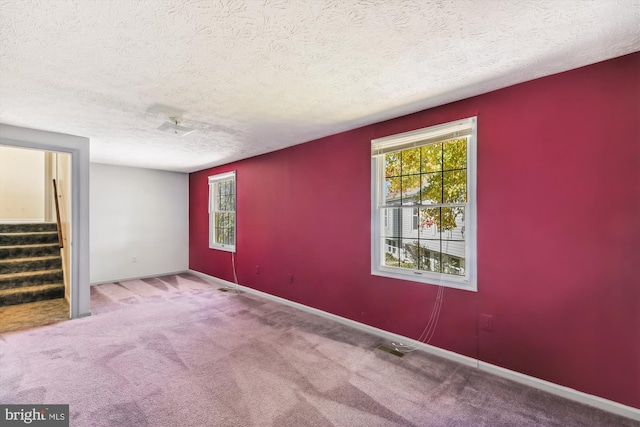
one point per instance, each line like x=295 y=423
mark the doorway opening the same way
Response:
x=35 y=237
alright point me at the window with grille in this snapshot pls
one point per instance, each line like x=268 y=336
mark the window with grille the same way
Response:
x=423 y=205
x=222 y=211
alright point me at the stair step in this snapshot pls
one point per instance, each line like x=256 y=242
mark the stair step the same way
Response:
x=30 y=278
x=30 y=238
x=28 y=227
x=17 y=265
x=29 y=251
x=31 y=294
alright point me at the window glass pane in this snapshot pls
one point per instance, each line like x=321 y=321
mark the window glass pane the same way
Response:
x=429 y=255
x=392 y=188
x=429 y=223
x=431 y=191
x=231 y=229
x=455 y=154
x=410 y=189
x=453 y=265
x=225 y=196
x=431 y=158
x=451 y=222
x=410 y=254
x=392 y=164
x=411 y=161
x=455 y=186
x=453 y=241
x=232 y=195
x=392 y=224
x=224 y=227
x=391 y=251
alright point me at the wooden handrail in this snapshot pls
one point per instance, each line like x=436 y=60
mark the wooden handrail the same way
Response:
x=55 y=195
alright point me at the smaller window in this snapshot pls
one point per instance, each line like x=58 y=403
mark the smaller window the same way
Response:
x=222 y=211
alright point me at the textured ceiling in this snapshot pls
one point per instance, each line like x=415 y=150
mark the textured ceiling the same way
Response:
x=255 y=76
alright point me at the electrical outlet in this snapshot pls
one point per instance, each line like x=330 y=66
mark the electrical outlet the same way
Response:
x=486 y=322
x=257 y=269
x=290 y=278
x=134 y=258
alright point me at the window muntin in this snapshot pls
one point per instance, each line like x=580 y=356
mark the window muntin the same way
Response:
x=222 y=211
x=423 y=184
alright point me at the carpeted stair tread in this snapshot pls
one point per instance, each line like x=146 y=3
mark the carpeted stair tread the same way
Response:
x=37 y=237
x=28 y=251
x=17 y=265
x=28 y=259
x=26 y=274
x=29 y=278
x=29 y=246
x=12 y=291
x=30 y=233
x=31 y=293
x=28 y=227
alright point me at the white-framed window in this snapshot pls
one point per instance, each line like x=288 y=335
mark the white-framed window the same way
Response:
x=222 y=211
x=424 y=183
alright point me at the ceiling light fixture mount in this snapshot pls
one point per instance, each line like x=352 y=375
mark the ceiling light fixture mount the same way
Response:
x=172 y=126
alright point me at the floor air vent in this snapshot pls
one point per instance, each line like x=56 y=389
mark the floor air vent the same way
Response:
x=390 y=350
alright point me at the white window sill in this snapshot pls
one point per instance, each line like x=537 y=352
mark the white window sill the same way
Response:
x=425 y=277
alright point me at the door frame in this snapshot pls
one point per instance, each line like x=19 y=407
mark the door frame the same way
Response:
x=78 y=148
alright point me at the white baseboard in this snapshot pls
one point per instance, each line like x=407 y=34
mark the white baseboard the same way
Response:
x=562 y=391
x=549 y=387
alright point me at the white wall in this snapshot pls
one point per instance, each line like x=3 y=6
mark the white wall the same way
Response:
x=21 y=184
x=139 y=222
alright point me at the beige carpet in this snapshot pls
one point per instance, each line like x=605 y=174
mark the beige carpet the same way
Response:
x=33 y=314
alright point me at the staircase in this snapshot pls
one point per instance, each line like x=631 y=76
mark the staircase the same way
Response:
x=30 y=263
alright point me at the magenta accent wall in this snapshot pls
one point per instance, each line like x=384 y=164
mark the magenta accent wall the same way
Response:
x=558 y=230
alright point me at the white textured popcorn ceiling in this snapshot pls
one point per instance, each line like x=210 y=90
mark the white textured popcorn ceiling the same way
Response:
x=256 y=76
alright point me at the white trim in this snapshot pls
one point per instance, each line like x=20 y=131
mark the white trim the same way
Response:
x=549 y=387
x=214 y=179
x=222 y=176
x=22 y=221
x=562 y=391
x=419 y=137
x=78 y=147
x=428 y=277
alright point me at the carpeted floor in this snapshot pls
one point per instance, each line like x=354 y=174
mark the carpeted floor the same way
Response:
x=31 y=314
x=174 y=351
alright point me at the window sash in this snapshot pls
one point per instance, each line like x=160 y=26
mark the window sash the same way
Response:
x=421 y=137
x=444 y=244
